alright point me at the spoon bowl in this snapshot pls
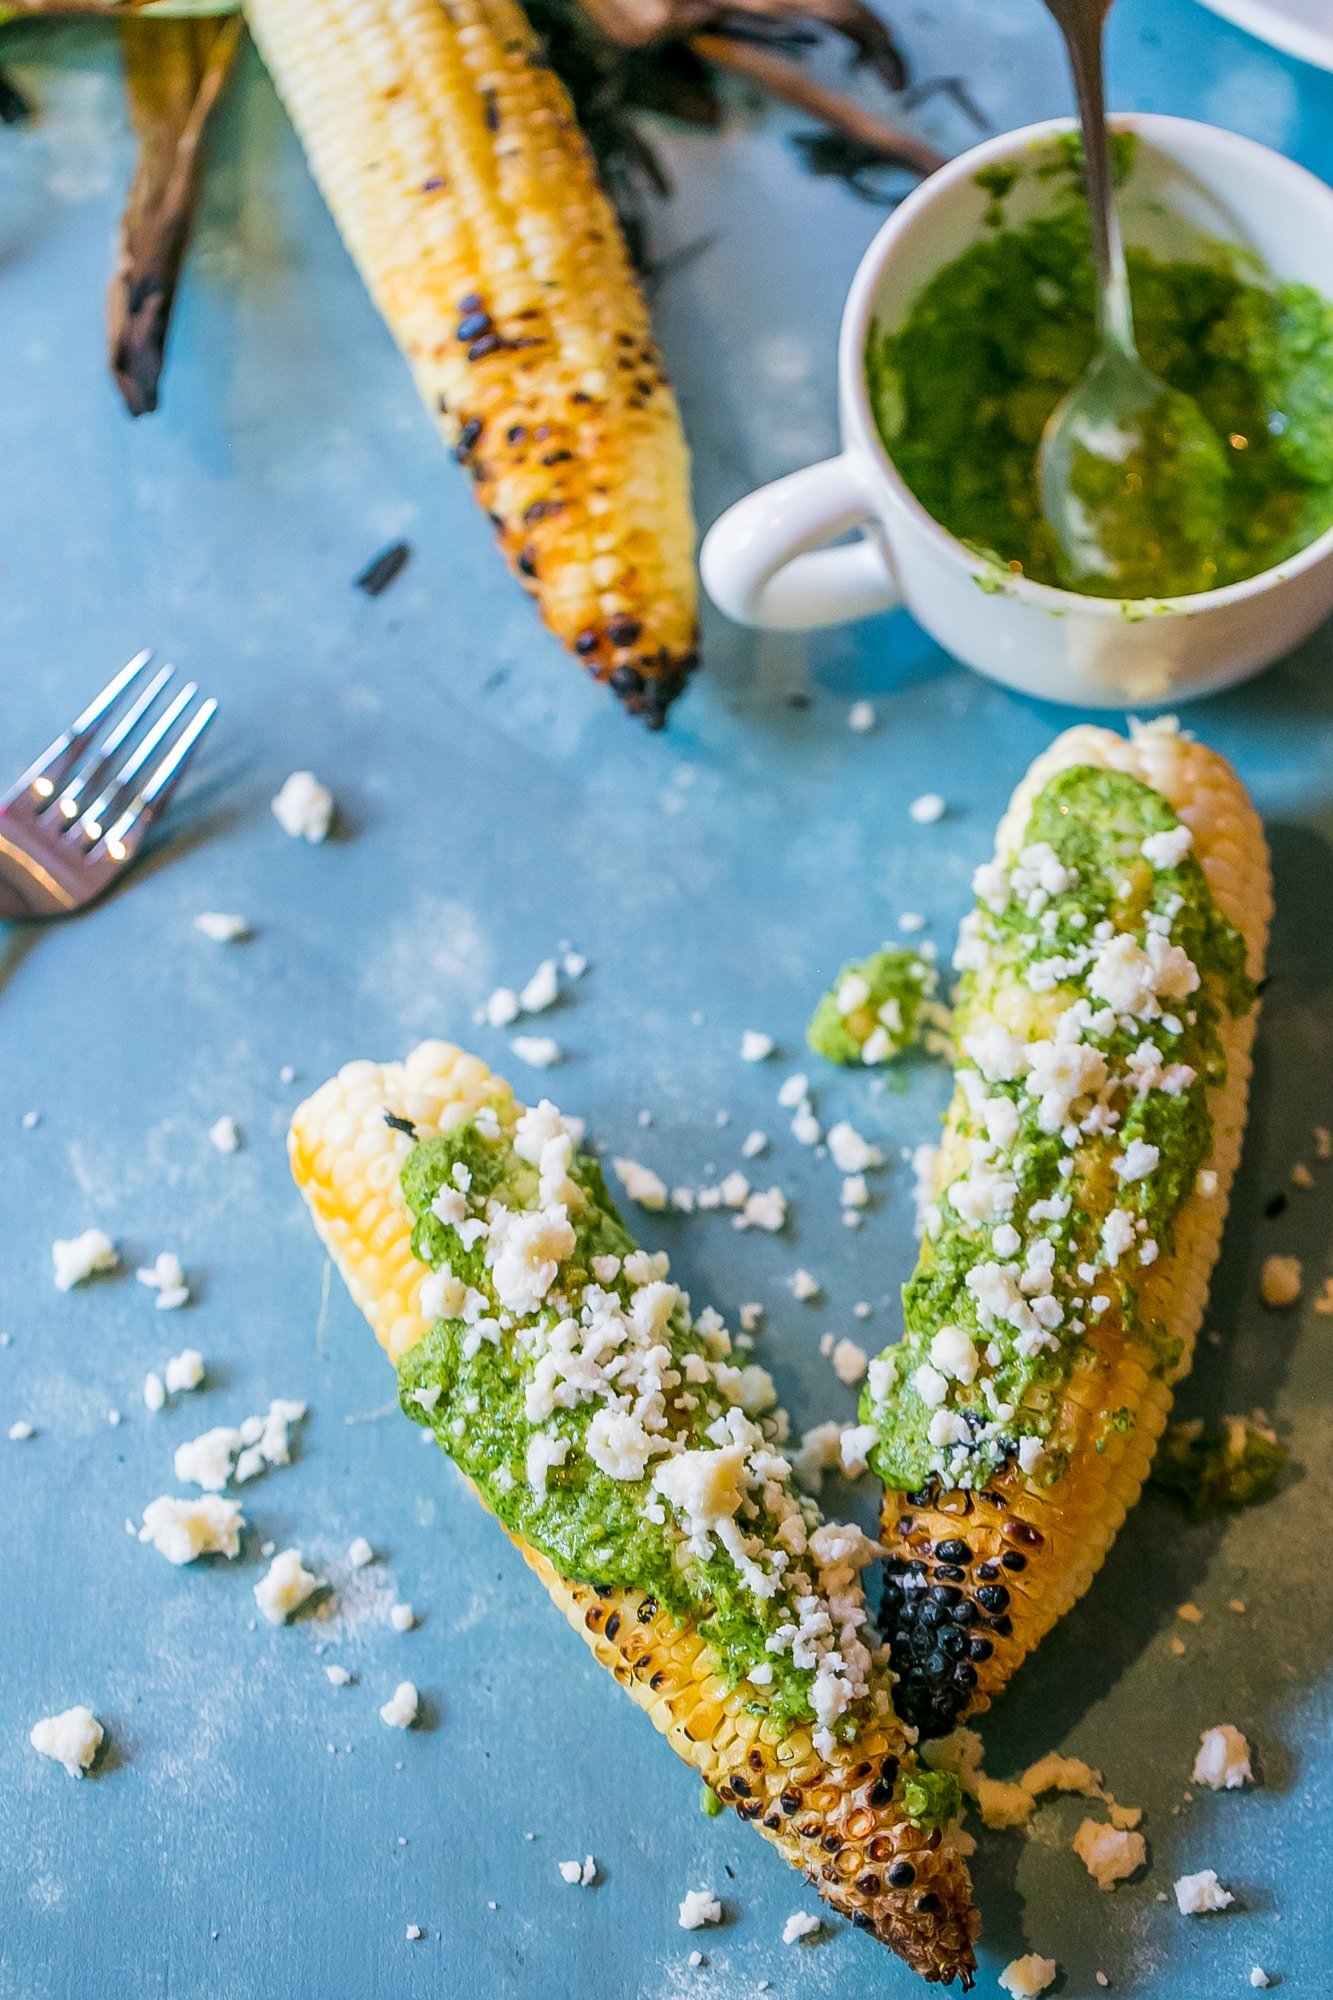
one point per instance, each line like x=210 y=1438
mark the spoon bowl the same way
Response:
x=1133 y=483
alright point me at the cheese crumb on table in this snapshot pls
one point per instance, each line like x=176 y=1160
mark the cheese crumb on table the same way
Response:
x=851 y=1153
x=402 y=1617
x=72 y=1739
x=1280 y=1281
x=753 y=1145
x=764 y=1209
x=861 y=717
x=1109 y=1853
x=221 y=928
x=285 y=1588
x=184 y=1371
x=537 y=1051
x=154 y=1394
x=207 y=1459
x=183 y=1530
x=756 y=1046
x=502 y=1007
x=337 y=1676
x=1258 y=1977
x=400 y=1710
x=542 y=990
x=76 y=1258
x=699 y=1907
x=360 y=1553
x=850 y=1362
x=800 y=1924
x=21 y=1430
x=1196 y=1895
x=165 y=1277
x=927 y=809
x=1028 y=1976
x=793 y=1090
x=225 y=1134
x=578 y=1874
x=304 y=808
x=640 y=1183
x=1223 y=1762
x=804 y=1287
x=413 y=1933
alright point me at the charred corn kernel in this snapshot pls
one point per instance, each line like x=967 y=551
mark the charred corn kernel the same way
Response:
x=1104 y=1028
x=835 y=1812
x=448 y=152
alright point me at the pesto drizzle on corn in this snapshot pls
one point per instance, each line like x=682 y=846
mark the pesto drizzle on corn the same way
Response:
x=610 y=1429
x=1094 y=969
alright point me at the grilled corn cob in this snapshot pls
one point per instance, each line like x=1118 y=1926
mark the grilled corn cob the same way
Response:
x=448 y=152
x=837 y=1801
x=1076 y=1204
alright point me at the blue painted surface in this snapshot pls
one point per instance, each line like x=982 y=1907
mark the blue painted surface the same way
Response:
x=491 y=805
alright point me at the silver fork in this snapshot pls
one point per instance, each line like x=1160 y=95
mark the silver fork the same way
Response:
x=75 y=820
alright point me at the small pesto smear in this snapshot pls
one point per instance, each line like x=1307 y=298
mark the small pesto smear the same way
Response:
x=963 y=389
x=1217 y=1469
x=877 y=1008
x=1095 y=969
x=609 y=1428
x=932 y=1798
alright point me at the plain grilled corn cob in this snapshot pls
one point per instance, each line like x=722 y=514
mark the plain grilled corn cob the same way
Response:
x=449 y=154
x=834 y=1811
x=983 y=1562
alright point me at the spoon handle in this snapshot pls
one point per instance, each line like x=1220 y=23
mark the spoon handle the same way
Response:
x=1081 y=22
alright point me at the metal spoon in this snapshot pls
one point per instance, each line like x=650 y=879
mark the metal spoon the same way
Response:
x=1132 y=476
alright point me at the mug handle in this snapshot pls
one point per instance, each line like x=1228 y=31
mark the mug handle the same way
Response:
x=762 y=562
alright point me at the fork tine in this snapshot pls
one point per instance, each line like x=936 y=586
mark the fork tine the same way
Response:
x=152 y=800
x=60 y=758
x=91 y=823
x=115 y=739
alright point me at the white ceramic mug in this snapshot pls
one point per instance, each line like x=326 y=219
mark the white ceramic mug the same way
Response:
x=765 y=562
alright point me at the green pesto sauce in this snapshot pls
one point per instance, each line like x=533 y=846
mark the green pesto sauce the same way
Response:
x=1096 y=822
x=1216 y=1470
x=590 y=1526
x=900 y=983
x=932 y=1798
x=963 y=390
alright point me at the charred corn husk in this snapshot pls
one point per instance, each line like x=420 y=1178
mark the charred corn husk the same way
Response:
x=449 y=154
x=1075 y=1207
x=836 y=1789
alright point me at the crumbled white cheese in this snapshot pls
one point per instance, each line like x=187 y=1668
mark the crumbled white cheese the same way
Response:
x=154 y=1393
x=184 y=1530
x=855 y=1192
x=72 y=1739
x=537 y=1051
x=1258 y=1977
x=575 y=964
x=304 y=808
x=753 y=1145
x=413 y=1933
x=800 y=1924
x=850 y=1152
x=1167 y=850
x=793 y=1091
x=751 y=1314
x=1280 y=1281
x=400 y=1710
x=206 y=1460
x=911 y=921
x=705 y=1487
x=1196 y=1895
x=542 y=990
x=756 y=1046
x=165 y=1277
x=927 y=809
x=337 y=1677
x=804 y=1287
x=402 y=1617
x=184 y=1371
x=1138 y=1160
x=805 y=1127
x=850 y=1362
x=78 y=1257
x=853 y=993
x=360 y=1553
x=699 y=1907
x=285 y=1588
x=641 y=1184
x=225 y=1134
x=1109 y=1853
x=820 y=1452
x=855 y=1446
x=222 y=929
x=32 y=1119
x=21 y=1430
x=1028 y=1976
x=861 y=717
x=502 y=1007
x=1223 y=1761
